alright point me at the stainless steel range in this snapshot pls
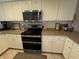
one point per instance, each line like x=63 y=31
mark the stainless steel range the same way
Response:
x=32 y=38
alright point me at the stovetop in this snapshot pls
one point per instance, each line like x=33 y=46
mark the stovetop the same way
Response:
x=32 y=31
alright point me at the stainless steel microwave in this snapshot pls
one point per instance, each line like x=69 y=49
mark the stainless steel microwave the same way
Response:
x=32 y=15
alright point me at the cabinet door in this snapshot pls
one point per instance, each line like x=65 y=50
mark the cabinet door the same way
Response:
x=46 y=44
x=11 y=41
x=58 y=44
x=26 y=5
x=3 y=44
x=67 y=48
x=66 y=10
x=76 y=47
x=2 y=18
x=8 y=11
x=13 y=11
x=14 y=41
x=50 y=8
x=54 y=44
x=18 y=42
x=74 y=55
x=17 y=11
x=5 y=0
x=36 y=5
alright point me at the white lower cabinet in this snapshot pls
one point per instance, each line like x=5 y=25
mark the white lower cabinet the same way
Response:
x=14 y=41
x=74 y=51
x=46 y=44
x=12 y=11
x=67 y=48
x=52 y=44
x=74 y=55
x=18 y=42
x=3 y=44
x=58 y=44
x=10 y=41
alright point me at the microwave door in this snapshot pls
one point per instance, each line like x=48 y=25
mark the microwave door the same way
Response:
x=27 y=15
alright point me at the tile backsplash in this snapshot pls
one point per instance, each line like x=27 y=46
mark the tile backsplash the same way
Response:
x=76 y=20
x=76 y=25
x=46 y=24
x=51 y=24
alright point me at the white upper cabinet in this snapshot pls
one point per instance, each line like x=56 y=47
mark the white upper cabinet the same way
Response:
x=26 y=5
x=58 y=10
x=50 y=8
x=66 y=10
x=36 y=4
x=4 y=0
x=2 y=18
x=31 y=5
x=8 y=13
x=13 y=11
x=8 y=0
x=17 y=11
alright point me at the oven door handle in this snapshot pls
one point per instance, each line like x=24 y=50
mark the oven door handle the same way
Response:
x=31 y=36
x=32 y=42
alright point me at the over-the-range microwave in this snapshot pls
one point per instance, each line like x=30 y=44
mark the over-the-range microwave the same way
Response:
x=32 y=15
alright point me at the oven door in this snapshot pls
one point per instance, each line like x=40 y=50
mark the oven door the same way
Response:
x=31 y=46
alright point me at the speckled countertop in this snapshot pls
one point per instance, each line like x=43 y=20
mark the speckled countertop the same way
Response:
x=72 y=35
x=12 y=31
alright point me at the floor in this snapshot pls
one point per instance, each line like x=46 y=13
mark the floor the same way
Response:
x=11 y=53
